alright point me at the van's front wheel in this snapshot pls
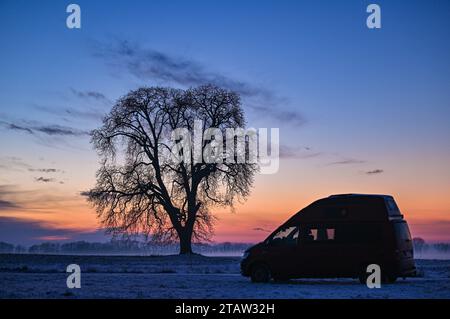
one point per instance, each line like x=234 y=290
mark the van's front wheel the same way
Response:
x=260 y=273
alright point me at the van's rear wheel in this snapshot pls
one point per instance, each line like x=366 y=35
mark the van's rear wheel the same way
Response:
x=260 y=273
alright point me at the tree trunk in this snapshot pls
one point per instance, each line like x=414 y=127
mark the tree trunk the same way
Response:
x=185 y=241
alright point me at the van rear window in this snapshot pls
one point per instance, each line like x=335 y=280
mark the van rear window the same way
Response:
x=392 y=207
x=402 y=232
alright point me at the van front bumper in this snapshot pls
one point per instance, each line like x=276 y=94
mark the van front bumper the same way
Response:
x=245 y=267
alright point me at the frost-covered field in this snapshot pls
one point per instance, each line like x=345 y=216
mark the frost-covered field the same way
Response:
x=44 y=276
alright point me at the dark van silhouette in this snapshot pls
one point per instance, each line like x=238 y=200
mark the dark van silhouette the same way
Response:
x=337 y=236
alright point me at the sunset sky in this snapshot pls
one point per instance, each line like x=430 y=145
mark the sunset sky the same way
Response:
x=359 y=110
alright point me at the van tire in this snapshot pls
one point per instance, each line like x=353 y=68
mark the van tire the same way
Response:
x=260 y=273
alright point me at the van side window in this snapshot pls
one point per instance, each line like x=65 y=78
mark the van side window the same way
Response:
x=318 y=234
x=285 y=236
x=330 y=233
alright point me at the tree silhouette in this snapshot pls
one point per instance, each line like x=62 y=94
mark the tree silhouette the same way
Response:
x=141 y=189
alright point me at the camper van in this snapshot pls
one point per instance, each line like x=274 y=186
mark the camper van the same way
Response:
x=337 y=236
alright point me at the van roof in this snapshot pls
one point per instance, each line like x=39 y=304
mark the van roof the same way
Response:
x=350 y=207
x=360 y=195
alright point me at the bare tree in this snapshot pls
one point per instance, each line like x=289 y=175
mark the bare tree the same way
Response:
x=140 y=189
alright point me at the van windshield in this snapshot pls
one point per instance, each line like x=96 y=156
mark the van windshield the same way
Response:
x=284 y=236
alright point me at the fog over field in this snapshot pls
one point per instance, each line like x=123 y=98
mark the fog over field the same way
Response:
x=123 y=248
x=422 y=250
x=433 y=253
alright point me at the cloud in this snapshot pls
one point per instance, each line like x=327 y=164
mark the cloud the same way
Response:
x=90 y=95
x=50 y=130
x=95 y=115
x=348 y=161
x=13 y=163
x=44 y=170
x=53 y=238
x=59 y=130
x=26 y=231
x=7 y=189
x=16 y=127
x=7 y=205
x=374 y=172
x=5 y=202
x=261 y=229
x=148 y=64
x=283 y=116
x=29 y=199
x=297 y=152
x=152 y=65
x=44 y=179
x=87 y=113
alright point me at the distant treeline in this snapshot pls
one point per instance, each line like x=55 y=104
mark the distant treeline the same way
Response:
x=134 y=247
x=420 y=246
x=126 y=247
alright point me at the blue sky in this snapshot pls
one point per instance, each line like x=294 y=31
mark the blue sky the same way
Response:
x=341 y=93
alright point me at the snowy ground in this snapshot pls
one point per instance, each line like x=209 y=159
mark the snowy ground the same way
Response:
x=40 y=276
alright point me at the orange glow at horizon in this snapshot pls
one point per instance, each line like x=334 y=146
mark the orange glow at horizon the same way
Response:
x=273 y=200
